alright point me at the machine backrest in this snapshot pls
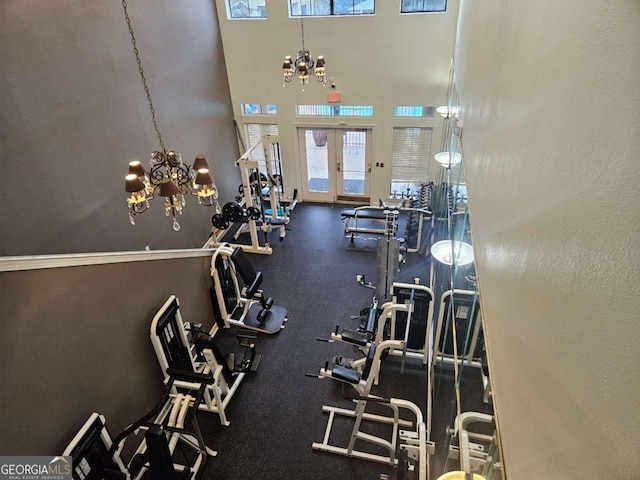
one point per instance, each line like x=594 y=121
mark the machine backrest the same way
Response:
x=223 y=280
x=89 y=451
x=250 y=277
x=169 y=338
x=372 y=320
x=369 y=362
x=160 y=463
x=467 y=307
x=422 y=311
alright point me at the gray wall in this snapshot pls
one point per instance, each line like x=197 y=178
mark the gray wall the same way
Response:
x=73 y=113
x=550 y=103
x=76 y=340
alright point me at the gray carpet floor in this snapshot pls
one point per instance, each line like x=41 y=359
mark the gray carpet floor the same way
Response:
x=277 y=413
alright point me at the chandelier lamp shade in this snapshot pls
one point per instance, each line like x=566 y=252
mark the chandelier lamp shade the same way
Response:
x=304 y=65
x=168 y=176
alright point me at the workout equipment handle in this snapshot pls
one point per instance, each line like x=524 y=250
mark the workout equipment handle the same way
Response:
x=406 y=331
x=314 y=375
x=189 y=376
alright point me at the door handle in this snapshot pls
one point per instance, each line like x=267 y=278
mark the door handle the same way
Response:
x=338 y=166
x=369 y=167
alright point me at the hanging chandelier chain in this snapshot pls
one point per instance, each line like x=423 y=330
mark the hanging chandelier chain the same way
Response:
x=302 y=28
x=140 y=69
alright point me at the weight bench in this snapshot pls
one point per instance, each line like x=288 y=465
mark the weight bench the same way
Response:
x=370 y=215
x=382 y=220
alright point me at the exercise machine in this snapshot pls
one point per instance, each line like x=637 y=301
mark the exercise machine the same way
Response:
x=374 y=219
x=245 y=306
x=173 y=422
x=415 y=326
x=407 y=317
x=475 y=451
x=89 y=451
x=388 y=258
x=188 y=348
x=261 y=205
x=411 y=436
x=459 y=309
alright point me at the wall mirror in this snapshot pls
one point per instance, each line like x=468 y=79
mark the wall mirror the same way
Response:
x=467 y=440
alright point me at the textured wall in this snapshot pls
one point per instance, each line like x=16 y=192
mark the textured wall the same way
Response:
x=551 y=112
x=74 y=113
x=81 y=344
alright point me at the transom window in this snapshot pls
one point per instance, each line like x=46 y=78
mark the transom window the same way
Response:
x=335 y=110
x=321 y=8
x=422 y=6
x=257 y=109
x=246 y=9
x=413 y=111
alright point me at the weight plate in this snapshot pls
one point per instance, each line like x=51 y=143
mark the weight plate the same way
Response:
x=253 y=213
x=219 y=221
x=253 y=176
x=232 y=212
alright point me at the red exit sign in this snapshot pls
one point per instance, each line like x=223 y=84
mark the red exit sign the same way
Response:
x=333 y=97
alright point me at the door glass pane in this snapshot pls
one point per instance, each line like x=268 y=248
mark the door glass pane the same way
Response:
x=354 y=161
x=317 y=160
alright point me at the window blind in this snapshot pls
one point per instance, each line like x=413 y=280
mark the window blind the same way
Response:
x=410 y=154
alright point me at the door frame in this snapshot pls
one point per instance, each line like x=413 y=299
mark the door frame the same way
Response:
x=333 y=195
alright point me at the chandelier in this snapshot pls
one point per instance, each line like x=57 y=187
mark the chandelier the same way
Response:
x=168 y=176
x=304 y=65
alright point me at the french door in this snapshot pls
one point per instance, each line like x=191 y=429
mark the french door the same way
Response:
x=336 y=164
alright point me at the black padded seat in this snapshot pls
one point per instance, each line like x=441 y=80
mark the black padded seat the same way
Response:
x=357 y=338
x=366 y=213
x=250 y=277
x=346 y=374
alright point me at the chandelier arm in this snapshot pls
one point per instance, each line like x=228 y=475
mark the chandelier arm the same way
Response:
x=140 y=69
x=158 y=173
x=183 y=178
